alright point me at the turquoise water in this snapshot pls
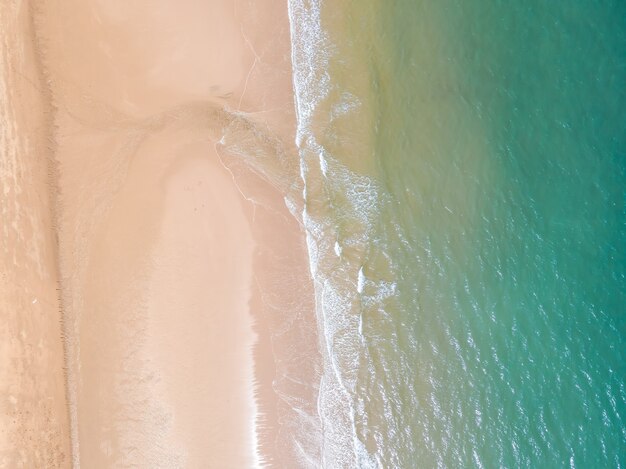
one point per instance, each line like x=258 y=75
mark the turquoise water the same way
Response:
x=486 y=325
x=520 y=232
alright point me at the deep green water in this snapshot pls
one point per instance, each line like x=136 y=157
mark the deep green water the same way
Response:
x=495 y=136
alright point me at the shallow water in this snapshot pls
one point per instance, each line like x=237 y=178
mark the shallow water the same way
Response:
x=464 y=166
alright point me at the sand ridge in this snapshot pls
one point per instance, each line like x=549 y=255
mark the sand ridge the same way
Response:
x=34 y=424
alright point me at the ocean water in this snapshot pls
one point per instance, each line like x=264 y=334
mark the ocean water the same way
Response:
x=463 y=168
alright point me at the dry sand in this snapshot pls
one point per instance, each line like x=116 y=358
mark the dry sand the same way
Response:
x=34 y=430
x=181 y=269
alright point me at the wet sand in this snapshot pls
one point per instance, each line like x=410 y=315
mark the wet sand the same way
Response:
x=181 y=270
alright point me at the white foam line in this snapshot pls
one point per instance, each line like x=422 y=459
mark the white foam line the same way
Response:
x=311 y=84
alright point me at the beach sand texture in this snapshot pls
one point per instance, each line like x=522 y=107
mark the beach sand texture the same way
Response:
x=172 y=251
x=34 y=430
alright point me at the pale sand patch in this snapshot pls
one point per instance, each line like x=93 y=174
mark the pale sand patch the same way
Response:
x=34 y=430
x=165 y=337
x=205 y=258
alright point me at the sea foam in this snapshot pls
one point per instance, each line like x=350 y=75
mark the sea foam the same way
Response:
x=339 y=212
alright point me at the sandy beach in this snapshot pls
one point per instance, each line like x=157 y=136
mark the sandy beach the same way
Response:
x=34 y=427
x=168 y=252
